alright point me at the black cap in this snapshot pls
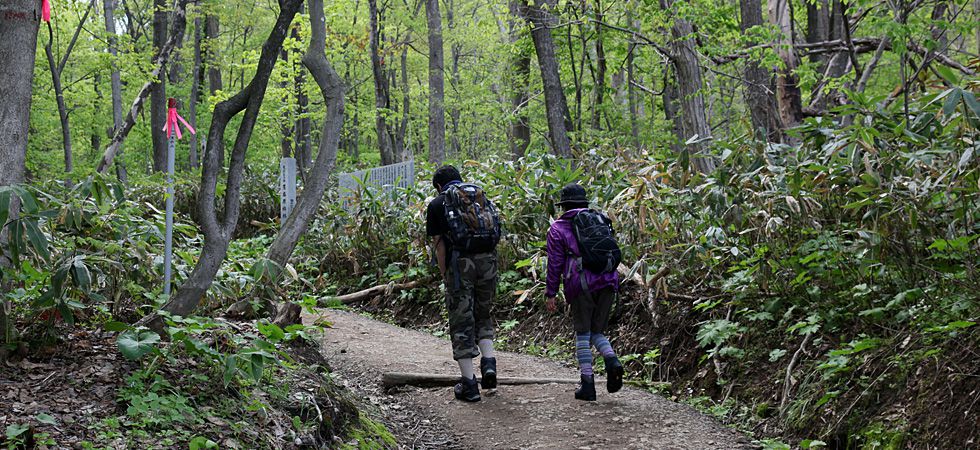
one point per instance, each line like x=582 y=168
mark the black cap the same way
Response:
x=572 y=193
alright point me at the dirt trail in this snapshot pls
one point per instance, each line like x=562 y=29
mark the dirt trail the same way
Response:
x=360 y=349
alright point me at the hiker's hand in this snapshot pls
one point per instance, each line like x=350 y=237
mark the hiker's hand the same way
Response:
x=549 y=304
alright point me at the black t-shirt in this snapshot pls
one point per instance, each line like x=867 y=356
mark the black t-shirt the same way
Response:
x=435 y=217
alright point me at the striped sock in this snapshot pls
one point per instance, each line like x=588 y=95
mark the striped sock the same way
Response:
x=602 y=345
x=583 y=351
x=486 y=348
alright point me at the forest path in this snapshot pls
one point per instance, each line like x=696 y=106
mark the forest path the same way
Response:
x=359 y=349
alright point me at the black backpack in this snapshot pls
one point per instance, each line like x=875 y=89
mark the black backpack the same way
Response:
x=596 y=241
x=474 y=225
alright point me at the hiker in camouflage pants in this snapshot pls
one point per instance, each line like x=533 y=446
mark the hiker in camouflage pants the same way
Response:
x=468 y=302
x=471 y=282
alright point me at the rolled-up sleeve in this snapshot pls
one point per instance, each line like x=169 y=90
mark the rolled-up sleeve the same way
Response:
x=556 y=261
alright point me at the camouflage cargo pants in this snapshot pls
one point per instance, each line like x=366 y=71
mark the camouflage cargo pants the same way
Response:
x=471 y=283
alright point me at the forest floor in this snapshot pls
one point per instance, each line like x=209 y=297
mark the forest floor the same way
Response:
x=359 y=349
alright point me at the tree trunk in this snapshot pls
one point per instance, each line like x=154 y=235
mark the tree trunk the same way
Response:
x=56 y=70
x=631 y=99
x=520 y=129
x=19 y=20
x=437 y=108
x=787 y=89
x=60 y=99
x=218 y=231
x=600 y=75
x=559 y=120
x=158 y=94
x=303 y=137
x=694 y=123
x=455 y=52
x=817 y=25
x=332 y=87
x=758 y=83
x=116 y=81
x=402 y=150
x=381 y=95
x=177 y=25
x=211 y=29
x=193 y=159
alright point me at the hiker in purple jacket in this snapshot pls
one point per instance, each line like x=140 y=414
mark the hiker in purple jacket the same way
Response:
x=590 y=308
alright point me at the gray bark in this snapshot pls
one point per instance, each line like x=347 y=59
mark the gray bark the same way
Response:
x=332 y=87
x=177 y=25
x=158 y=93
x=437 y=108
x=56 y=69
x=211 y=30
x=817 y=25
x=19 y=20
x=559 y=119
x=116 y=82
x=455 y=53
x=759 y=96
x=381 y=94
x=217 y=230
x=193 y=159
x=631 y=99
x=694 y=123
x=600 y=74
x=520 y=130
x=787 y=89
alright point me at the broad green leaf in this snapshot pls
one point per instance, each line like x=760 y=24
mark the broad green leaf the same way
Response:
x=271 y=331
x=134 y=344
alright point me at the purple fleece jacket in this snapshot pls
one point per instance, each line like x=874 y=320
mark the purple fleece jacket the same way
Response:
x=563 y=255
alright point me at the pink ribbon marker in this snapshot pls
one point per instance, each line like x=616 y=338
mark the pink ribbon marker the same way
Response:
x=172 y=118
x=45 y=11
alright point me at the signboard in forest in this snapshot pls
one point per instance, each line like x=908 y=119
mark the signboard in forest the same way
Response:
x=382 y=179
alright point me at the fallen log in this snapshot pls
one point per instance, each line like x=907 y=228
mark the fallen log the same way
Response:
x=387 y=288
x=393 y=379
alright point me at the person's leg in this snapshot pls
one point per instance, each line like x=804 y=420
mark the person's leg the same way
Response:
x=484 y=291
x=614 y=369
x=581 y=310
x=459 y=302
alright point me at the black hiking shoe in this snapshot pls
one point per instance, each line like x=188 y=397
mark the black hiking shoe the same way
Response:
x=467 y=390
x=488 y=373
x=586 y=389
x=614 y=374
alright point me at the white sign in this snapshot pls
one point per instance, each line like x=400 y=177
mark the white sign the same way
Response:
x=384 y=178
x=287 y=187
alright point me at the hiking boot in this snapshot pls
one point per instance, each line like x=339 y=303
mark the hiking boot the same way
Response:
x=614 y=374
x=586 y=389
x=467 y=390
x=488 y=373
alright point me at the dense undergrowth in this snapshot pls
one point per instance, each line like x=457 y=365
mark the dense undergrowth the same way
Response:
x=820 y=292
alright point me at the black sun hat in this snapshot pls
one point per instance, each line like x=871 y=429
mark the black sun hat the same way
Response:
x=573 y=193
